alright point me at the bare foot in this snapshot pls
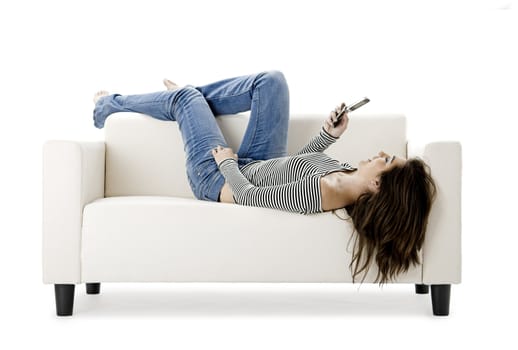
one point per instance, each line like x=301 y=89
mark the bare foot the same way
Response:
x=170 y=85
x=100 y=94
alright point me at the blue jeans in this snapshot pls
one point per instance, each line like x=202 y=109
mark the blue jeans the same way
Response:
x=265 y=95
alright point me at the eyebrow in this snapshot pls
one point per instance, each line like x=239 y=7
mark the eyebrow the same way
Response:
x=391 y=160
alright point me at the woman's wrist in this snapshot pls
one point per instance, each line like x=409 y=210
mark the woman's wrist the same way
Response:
x=225 y=160
x=329 y=134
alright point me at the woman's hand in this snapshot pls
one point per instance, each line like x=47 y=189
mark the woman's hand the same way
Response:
x=221 y=153
x=338 y=130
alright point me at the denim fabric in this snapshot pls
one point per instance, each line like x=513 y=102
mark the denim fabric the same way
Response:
x=265 y=95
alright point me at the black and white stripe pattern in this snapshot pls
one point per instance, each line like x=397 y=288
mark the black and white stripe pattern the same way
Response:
x=319 y=143
x=289 y=183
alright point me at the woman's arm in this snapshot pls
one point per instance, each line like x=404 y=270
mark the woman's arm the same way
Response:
x=303 y=196
x=328 y=134
x=318 y=143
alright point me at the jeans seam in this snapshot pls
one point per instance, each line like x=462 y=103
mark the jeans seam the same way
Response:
x=203 y=184
x=195 y=167
x=227 y=96
x=252 y=138
x=168 y=109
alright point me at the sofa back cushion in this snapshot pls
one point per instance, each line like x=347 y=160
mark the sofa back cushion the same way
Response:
x=145 y=156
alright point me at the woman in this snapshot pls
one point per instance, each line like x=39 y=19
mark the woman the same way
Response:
x=387 y=197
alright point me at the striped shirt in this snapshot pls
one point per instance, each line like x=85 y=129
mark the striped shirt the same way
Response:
x=290 y=183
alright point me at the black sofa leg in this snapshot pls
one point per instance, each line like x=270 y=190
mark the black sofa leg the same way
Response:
x=64 y=299
x=421 y=289
x=441 y=299
x=93 y=288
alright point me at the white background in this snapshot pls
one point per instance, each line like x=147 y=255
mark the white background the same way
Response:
x=450 y=66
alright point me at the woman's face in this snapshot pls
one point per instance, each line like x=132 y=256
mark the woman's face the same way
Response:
x=372 y=168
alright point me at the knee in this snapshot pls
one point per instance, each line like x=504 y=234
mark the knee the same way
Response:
x=274 y=78
x=275 y=83
x=189 y=91
x=186 y=95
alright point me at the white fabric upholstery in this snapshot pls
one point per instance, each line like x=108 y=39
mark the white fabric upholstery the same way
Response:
x=73 y=176
x=145 y=224
x=145 y=239
x=442 y=248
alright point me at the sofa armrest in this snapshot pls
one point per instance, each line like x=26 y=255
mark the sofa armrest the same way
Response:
x=73 y=176
x=442 y=246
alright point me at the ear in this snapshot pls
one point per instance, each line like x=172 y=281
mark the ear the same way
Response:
x=374 y=184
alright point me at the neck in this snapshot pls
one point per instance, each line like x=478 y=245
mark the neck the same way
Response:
x=340 y=189
x=351 y=187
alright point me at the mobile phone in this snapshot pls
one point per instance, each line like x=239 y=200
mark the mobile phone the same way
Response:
x=350 y=108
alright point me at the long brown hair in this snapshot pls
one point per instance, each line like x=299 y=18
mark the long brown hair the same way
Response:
x=391 y=224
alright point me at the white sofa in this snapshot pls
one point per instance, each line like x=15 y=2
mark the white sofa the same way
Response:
x=121 y=210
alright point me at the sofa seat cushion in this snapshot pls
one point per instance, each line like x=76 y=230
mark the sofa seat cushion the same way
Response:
x=170 y=239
